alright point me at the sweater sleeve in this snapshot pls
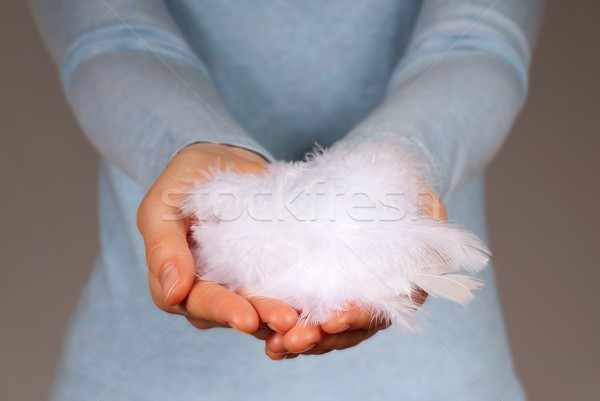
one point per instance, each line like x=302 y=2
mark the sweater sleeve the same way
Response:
x=138 y=90
x=455 y=93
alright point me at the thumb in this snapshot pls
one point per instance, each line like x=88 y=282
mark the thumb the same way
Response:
x=167 y=251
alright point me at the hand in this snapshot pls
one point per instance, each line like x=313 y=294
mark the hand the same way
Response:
x=351 y=327
x=171 y=276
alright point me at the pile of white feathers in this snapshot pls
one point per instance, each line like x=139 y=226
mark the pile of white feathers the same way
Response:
x=344 y=227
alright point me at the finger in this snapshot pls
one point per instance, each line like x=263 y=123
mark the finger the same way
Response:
x=275 y=356
x=344 y=340
x=274 y=343
x=167 y=252
x=430 y=205
x=156 y=293
x=274 y=348
x=277 y=315
x=279 y=357
x=349 y=339
x=200 y=313
x=193 y=317
x=195 y=321
x=215 y=303
x=302 y=337
x=354 y=318
x=203 y=324
x=262 y=333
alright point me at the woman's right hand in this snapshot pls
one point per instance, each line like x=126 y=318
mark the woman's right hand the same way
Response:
x=172 y=280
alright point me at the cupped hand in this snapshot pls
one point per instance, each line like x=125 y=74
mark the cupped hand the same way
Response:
x=171 y=276
x=349 y=327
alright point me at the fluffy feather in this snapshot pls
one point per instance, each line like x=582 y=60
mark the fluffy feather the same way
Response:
x=342 y=227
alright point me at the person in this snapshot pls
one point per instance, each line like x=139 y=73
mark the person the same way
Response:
x=168 y=89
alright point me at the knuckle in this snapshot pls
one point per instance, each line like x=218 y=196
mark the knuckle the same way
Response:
x=158 y=255
x=141 y=213
x=156 y=247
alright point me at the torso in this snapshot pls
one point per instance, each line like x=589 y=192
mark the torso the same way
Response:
x=292 y=72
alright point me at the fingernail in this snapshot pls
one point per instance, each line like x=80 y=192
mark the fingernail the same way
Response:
x=269 y=325
x=343 y=328
x=233 y=325
x=168 y=280
x=308 y=349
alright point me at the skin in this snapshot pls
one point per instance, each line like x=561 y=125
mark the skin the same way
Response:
x=175 y=288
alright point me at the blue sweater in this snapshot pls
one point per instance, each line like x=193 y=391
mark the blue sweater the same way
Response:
x=148 y=77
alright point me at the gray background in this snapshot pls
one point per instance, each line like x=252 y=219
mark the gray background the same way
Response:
x=543 y=190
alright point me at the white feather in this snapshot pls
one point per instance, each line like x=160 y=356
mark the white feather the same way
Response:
x=453 y=287
x=337 y=229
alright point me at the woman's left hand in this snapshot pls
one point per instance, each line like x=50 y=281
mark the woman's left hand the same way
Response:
x=350 y=327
